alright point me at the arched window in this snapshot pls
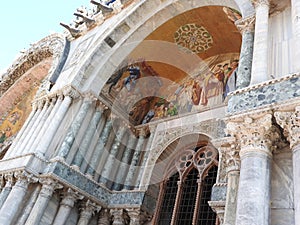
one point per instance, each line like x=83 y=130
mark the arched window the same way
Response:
x=183 y=198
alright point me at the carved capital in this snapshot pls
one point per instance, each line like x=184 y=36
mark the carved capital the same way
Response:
x=135 y=216
x=88 y=209
x=49 y=185
x=23 y=179
x=71 y=92
x=219 y=208
x=90 y=97
x=118 y=216
x=246 y=24
x=259 y=3
x=230 y=155
x=70 y=197
x=290 y=122
x=9 y=180
x=255 y=134
x=104 y=217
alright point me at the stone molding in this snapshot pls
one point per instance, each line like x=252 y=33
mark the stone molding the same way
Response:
x=290 y=122
x=255 y=134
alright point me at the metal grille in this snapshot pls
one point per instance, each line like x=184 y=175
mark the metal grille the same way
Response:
x=187 y=203
x=168 y=203
x=205 y=214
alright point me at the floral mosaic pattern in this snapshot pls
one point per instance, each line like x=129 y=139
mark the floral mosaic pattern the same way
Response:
x=193 y=37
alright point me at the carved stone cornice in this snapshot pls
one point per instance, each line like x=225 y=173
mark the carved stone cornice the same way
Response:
x=290 y=122
x=246 y=24
x=254 y=134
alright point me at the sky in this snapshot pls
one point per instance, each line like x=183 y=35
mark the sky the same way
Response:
x=25 y=22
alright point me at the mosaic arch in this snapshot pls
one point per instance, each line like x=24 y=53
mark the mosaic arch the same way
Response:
x=162 y=77
x=24 y=80
x=151 y=20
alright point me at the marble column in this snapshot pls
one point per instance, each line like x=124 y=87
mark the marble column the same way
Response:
x=21 y=134
x=36 y=127
x=125 y=163
x=230 y=153
x=99 y=149
x=66 y=204
x=110 y=164
x=85 y=143
x=296 y=34
x=9 y=181
x=29 y=205
x=48 y=187
x=118 y=217
x=86 y=212
x=134 y=164
x=260 y=49
x=15 y=197
x=290 y=122
x=32 y=128
x=74 y=128
x=52 y=129
x=246 y=27
x=256 y=136
x=104 y=217
x=134 y=215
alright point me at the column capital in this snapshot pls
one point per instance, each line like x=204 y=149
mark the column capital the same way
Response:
x=104 y=217
x=49 y=185
x=230 y=151
x=246 y=24
x=23 y=178
x=290 y=122
x=88 y=209
x=89 y=97
x=255 y=134
x=71 y=92
x=219 y=208
x=69 y=198
x=258 y=3
x=118 y=216
x=135 y=215
x=9 y=179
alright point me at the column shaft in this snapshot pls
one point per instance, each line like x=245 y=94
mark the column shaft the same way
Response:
x=7 y=189
x=296 y=177
x=49 y=134
x=231 y=197
x=296 y=34
x=260 y=51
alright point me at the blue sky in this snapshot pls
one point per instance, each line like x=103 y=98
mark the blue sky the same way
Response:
x=25 y=22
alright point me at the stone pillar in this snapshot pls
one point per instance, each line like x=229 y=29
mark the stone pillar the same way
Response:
x=110 y=164
x=100 y=148
x=15 y=197
x=52 y=129
x=260 y=48
x=9 y=179
x=218 y=207
x=66 y=204
x=29 y=205
x=290 y=122
x=24 y=143
x=118 y=217
x=246 y=27
x=134 y=215
x=86 y=212
x=74 y=128
x=256 y=136
x=230 y=153
x=49 y=185
x=134 y=165
x=104 y=217
x=88 y=137
x=125 y=163
x=21 y=134
x=296 y=34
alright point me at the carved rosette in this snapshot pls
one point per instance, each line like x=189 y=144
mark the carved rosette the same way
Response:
x=290 y=122
x=255 y=134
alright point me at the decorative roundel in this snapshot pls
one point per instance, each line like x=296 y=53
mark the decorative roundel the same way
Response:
x=193 y=37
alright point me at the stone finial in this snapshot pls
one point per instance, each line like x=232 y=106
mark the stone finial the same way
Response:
x=290 y=122
x=246 y=24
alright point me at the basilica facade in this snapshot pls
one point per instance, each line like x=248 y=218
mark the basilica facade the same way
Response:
x=156 y=112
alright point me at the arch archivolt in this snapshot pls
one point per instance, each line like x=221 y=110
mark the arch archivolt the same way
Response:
x=50 y=46
x=143 y=20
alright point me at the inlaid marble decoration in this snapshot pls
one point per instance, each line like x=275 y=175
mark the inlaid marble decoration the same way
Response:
x=193 y=37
